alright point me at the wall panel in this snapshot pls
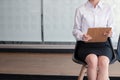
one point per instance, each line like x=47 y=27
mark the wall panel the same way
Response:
x=58 y=19
x=20 y=20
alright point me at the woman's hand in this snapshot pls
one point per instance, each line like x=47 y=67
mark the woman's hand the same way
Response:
x=108 y=34
x=86 y=37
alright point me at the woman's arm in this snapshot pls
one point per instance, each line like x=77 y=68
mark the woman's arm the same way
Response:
x=77 y=25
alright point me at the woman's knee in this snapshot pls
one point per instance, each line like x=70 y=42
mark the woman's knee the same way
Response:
x=92 y=60
x=103 y=62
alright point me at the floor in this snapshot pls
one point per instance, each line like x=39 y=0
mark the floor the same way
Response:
x=44 y=64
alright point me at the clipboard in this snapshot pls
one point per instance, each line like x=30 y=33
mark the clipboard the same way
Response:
x=97 y=34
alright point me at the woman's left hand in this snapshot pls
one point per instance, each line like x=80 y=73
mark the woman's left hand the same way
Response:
x=108 y=34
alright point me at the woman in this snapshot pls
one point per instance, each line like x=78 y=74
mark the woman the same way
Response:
x=94 y=13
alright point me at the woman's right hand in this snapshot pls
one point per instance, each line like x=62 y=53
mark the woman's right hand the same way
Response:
x=86 y=37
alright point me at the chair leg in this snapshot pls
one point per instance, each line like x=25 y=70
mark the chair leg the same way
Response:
x=82 y=72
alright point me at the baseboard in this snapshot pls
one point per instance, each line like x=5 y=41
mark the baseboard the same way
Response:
x=43 y=77
x=37 y=50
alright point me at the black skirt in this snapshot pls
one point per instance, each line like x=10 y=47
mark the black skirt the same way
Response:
x=99 y=49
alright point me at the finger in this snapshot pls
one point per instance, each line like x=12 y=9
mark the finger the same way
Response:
x=85 y=38
x=106 y=33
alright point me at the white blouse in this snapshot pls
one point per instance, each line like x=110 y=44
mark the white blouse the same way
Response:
x=87 y=16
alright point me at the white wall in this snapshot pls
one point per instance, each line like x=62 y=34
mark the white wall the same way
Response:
x=115 y=4
x=20 y=20
x=59 y=19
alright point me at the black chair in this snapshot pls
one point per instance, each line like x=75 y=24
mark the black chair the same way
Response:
x=118 y=49
x=84 y=65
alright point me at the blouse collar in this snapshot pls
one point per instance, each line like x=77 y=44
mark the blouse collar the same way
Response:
x=100 y=4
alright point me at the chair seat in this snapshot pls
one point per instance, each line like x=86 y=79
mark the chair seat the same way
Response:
x=77 y=60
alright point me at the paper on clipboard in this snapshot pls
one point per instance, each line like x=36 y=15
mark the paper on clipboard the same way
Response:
x=97 y=34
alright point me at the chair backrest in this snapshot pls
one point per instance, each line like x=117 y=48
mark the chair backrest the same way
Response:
x=114 y=57
x=77 y=60
x=118 y=49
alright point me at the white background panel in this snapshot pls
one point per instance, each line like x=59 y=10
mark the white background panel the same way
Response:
x=115 y=4
x=20 y=20
x=59 y=19
x=59 y=16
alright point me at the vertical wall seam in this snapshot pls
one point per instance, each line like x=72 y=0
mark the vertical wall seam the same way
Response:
x=42 y=29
